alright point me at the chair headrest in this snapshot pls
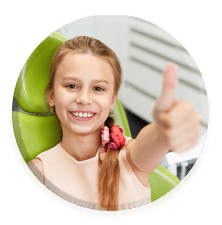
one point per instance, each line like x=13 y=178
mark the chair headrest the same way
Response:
x=34 y=77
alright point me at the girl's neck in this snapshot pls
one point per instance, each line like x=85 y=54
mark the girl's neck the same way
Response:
x=81 y=147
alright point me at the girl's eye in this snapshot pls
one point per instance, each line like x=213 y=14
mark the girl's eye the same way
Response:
x=71 y=87
x=100 y=88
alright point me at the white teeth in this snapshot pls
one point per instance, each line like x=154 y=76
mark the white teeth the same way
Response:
x=82 y=114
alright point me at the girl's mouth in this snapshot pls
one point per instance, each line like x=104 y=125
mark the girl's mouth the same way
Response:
x=82 y=116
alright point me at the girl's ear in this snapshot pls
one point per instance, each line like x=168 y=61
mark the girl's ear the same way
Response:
x=51 y=98
x=114 y=101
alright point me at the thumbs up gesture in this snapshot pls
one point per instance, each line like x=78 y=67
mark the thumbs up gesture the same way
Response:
x=178 y=124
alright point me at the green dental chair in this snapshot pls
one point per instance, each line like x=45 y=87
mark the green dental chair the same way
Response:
x=36 y=129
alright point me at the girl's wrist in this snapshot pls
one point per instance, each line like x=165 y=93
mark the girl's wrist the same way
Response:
x=161 y=137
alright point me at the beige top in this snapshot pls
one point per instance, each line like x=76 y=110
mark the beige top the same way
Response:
x=76 y=181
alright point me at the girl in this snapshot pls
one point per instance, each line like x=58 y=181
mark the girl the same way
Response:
x=95 y=165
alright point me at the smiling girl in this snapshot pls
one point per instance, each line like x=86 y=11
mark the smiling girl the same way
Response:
x=95 y=165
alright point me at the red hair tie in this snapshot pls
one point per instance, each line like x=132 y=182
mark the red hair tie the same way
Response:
x=115 y=142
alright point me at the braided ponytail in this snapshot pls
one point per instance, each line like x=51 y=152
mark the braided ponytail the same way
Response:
x=109 y=175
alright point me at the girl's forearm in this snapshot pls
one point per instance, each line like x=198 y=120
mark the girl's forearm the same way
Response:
x=149 y=148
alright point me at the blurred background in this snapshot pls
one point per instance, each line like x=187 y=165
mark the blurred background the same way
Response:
x=144 y=50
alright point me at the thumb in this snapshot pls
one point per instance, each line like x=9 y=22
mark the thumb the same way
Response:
x=170 y=79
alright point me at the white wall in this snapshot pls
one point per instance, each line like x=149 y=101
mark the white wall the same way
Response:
x=150 y=48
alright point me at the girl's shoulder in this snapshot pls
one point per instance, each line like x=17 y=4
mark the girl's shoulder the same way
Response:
x=36 y=166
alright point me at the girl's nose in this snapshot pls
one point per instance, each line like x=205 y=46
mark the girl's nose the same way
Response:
x=84 y=97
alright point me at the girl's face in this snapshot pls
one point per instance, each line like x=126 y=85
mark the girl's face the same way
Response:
x=84 y=84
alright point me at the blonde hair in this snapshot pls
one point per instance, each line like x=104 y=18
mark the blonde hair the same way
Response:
x=109 y=174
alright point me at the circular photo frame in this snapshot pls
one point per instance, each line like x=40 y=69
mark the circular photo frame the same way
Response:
x=143 y=49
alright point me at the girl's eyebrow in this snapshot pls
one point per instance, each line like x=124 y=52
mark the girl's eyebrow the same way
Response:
x=77 y=79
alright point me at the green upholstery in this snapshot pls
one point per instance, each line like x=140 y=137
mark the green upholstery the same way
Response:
x=35 y=134
x=37 y=130
x=30 y=87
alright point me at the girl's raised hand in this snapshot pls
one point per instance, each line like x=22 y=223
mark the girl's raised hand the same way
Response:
x=179 y=124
